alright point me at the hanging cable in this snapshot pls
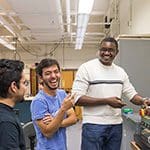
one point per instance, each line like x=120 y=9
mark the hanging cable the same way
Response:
x=52 y=50
x=15 y=39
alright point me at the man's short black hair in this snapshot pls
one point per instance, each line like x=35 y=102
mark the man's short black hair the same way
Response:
x=110 y=39
x=46 y=63
x=10 y=70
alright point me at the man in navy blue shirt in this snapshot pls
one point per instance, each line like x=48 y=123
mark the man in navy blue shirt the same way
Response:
x=12 y=89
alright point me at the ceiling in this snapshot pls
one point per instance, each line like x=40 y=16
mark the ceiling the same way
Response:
x=43 y=22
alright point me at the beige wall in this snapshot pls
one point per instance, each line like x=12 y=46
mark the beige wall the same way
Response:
x=68 y=57
x=134 y=16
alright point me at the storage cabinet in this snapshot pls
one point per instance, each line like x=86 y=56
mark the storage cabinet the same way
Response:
x=67 y=78
x=33 y=82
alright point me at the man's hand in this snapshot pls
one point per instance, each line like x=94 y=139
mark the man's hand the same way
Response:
x=68 y=102
x=47 y=119
x=116 y=102
x=147 y=106
x=146 y=102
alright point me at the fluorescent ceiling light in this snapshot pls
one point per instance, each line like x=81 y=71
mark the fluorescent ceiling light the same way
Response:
x=83 y=20
x=81 y=29
x=85 y=6
x=6 y=44
x=78 y=46
x=84 y=10
x=82 y=25
x=79 y=42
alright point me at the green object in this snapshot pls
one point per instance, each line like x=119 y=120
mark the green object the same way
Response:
x=128 y=110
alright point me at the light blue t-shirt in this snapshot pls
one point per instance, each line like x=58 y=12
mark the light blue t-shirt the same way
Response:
x=41 y=105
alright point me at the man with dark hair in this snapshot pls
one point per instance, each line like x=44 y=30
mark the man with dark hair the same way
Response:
x=99 y=91
x=51 y=103
x=12 y=89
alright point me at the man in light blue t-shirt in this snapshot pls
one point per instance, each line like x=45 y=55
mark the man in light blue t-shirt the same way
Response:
x=51 y=108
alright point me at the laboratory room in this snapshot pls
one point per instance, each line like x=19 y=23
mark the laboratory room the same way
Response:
x=74 y=75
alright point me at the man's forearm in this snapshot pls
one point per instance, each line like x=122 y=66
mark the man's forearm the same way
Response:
x=90 y=101
x=137 y=100
x=49 y=129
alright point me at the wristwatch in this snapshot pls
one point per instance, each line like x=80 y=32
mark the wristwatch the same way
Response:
x=143 y=99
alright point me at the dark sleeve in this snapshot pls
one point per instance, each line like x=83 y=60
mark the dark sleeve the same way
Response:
x=9 y=136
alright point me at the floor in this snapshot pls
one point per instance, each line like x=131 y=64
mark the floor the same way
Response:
x=74 y=136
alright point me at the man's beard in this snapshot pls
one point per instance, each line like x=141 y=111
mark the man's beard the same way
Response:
x=20 y=99
x=51 y=88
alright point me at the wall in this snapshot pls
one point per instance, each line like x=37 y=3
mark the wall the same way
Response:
x=134 y=16
x=67 y=56
x=135 y=59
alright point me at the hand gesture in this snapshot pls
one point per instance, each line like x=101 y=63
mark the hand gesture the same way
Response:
x=47 y=119
x=116 y=102
x=68 y=102
x=147 y=106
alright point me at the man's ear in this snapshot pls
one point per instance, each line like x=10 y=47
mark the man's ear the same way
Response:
x=13 y=87
x=117 y=51
x=97 y=53
x=40 y=78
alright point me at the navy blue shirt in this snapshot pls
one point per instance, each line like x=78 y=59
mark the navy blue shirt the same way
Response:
x=11 y=133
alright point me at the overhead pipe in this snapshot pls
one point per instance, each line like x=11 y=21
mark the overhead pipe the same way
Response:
x=68 y=15
x=59 y=10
